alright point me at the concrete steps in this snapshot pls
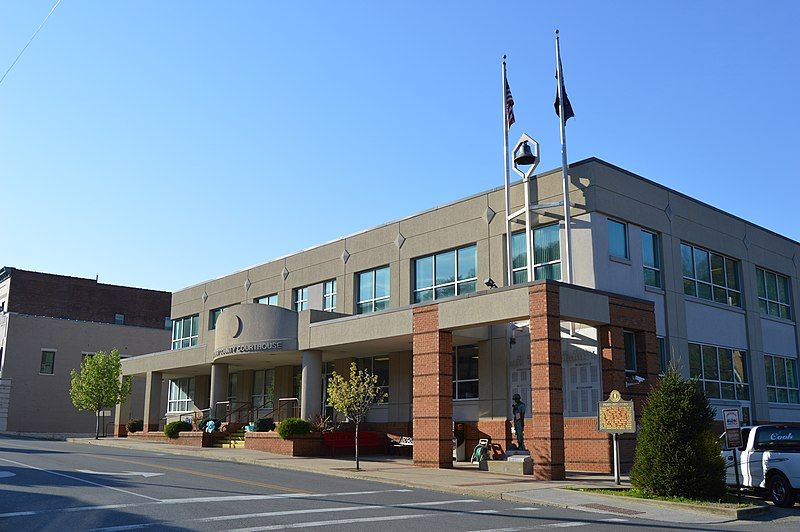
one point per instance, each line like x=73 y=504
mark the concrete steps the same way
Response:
x=234 y=440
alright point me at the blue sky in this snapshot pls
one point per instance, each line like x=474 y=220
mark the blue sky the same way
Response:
x=138 y=139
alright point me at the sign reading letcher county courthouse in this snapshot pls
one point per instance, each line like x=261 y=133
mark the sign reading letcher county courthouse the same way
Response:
x=257 y=347
x=615 y=416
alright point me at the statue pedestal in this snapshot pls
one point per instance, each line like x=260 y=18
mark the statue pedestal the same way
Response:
x=516 y=452
x=515 y=465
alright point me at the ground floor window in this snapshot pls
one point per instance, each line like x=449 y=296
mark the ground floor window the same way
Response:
x=781 y=375
x=233 y=384
x=378 y=365
x=663 y=354
x=263 y=387
x=722 y=372
x=181 y=395
x=465 y=372
x=582 y=379
x=629 y=342
x=327 y=372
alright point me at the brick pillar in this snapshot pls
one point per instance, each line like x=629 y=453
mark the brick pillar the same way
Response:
x=612 y=354
x=432 y=363
x=546 y=383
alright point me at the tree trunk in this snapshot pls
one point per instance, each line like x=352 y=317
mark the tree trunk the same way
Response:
x=358 y=466
x=97 y=425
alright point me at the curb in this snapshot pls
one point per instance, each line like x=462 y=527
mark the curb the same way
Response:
x=733 y=514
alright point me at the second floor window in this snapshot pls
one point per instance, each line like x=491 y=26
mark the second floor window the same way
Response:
x=546 y=254
x=47 y=365
x=213 y=316
x=372 y=290
x=773 y=294
x=300 y=299
x=329 y=295
x=651 y=259
x=185 y=331
x=711 y=276
x=446 y=274
x=268 y=300
x=617 y=239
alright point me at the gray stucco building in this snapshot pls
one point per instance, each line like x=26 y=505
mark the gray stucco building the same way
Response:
x=721 y=290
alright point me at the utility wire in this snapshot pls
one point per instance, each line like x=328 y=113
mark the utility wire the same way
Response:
x=35 y=33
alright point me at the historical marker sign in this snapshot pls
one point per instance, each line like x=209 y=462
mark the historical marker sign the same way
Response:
x=615 y=415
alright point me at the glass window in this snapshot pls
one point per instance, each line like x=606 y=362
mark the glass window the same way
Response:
x=720 y=372
x=773 y=294
x=546 y=254
x=446 y=274
x=185 y=331
x=378 y=365
x=329 y=295
x=268 y=300
x=47 y=365
x=617 y=239
x=181 y=395
x=213 y=316
x=119 y=319
x=372 y=290
x=663 y=354
x=782 y=386
x=711 y=276
x=300 y=299
x=629 y=340
x=465 y=372
x=651 y=259
x=264 y=389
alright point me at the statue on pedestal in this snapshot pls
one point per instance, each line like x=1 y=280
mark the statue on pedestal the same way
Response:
x=518 y=408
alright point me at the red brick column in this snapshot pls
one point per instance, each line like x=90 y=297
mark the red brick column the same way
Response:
x=547 y=431
x=432 y=363
x=611 y=343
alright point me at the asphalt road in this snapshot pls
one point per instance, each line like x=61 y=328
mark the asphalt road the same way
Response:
x=62 y=486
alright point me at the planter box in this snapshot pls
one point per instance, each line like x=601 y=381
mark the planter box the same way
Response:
x=189 y=438
x=308 y=445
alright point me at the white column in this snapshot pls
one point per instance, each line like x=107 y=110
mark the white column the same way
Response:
x=311 y=385
x=152 y=401
x=219 y=388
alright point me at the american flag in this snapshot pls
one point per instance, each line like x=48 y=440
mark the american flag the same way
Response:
x=509 y=107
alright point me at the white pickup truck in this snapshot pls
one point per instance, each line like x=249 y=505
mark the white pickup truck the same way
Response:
x=768 y=462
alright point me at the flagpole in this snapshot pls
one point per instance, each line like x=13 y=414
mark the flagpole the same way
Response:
x=507 y=187
x=564 y=166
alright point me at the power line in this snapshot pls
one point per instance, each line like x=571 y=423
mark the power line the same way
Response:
x=35 y=33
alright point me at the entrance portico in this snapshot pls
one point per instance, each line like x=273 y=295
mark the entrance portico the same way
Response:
x=310 y=344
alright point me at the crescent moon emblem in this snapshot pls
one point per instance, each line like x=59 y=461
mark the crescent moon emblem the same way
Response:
x=239 y=327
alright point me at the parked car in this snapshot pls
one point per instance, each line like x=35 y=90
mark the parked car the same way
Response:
x=768 y=463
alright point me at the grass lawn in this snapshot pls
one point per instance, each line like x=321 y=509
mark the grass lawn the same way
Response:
x=729 y=500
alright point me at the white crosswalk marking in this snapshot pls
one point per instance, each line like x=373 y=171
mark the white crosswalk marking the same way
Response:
x=615 y=520
x=526 y=509
x=333 y=522
x=566 y=524
x=485 y=511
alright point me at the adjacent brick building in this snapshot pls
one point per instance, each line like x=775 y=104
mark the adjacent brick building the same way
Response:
x=47 y=324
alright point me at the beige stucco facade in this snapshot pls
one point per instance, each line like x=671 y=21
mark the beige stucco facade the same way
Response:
x=492 y=320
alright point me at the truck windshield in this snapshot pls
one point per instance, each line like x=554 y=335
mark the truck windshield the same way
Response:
x=778 y=438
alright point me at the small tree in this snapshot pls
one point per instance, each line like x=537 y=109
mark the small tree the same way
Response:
x=98 y=384
x=677 y=454
x=354 y=397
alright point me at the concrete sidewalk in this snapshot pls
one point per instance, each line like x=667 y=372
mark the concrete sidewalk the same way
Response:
x=464 y=479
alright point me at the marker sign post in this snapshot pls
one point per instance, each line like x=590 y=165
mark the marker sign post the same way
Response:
x=733 y=439
x=616 y=416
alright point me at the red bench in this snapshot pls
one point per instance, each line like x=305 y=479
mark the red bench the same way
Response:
x=347 y=440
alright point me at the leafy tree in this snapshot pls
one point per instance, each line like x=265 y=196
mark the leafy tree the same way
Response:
x=98 y=384
x=355 y=396
x=677 y=454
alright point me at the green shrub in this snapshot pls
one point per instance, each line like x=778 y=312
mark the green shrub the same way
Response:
x=293 y=426
x=135 y=425
x=677 y=454
x=172 y=429
x=265 y=425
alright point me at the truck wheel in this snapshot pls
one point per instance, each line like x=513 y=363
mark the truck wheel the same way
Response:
x=780 y=492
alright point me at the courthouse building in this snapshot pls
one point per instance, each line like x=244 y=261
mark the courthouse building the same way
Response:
x=48 y=324
x=659 y=278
